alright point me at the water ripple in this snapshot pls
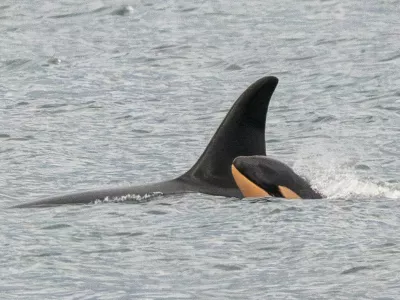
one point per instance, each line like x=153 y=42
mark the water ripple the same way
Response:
x=97 y=93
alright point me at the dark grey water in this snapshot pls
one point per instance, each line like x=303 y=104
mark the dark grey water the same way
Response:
x=110 y=92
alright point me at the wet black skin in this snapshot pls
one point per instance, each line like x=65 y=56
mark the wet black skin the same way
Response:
x=268 y=173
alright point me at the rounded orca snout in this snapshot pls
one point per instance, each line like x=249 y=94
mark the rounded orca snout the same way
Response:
x=247 y=187
x=261 y=176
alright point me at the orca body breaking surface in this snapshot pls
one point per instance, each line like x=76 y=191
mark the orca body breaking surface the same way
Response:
x=262 y=176
x=241 y=133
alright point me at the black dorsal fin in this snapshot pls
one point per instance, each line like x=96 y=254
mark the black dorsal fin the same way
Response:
x=241 y=133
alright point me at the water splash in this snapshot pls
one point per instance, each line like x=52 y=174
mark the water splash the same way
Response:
x=346 y=186
x=342 y=181
x=129 y=197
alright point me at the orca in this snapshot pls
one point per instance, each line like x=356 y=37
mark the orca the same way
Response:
x=261 y=176
x=241 y=133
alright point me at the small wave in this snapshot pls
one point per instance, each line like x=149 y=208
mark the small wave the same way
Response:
x=123 y=11
x=14 y=64
x=297 y=58
x=78 y=14
x=156 y=212
x=228 y=267
x=53 y=61
x=190 y=9
x=22 y=138
x=393 y=57
x=164 y=47
x=75 y=14
x=56 y=226
x=233 y=67
x=129 y=197
x=324 y=119
x=356 y=269
x=53 y=105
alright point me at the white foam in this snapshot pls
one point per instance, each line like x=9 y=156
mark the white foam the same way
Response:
x=128 y=197
x=342 y=181
x=348 y=186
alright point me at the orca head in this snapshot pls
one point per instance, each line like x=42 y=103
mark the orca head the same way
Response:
x=261 y=176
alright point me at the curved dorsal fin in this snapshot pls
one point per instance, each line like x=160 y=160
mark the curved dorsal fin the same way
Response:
x=241 y=133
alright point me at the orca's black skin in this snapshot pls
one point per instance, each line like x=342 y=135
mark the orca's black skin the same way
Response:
x=242 y=132
x=269 y=174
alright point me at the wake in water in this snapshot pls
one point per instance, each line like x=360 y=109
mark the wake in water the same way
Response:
x=346 y=186
x=342 y=182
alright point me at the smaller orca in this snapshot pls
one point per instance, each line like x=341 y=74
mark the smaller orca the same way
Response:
x=261 y=176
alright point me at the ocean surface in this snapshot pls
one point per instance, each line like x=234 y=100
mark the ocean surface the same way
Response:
x=97 y=93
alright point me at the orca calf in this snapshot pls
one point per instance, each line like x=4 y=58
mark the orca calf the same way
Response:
x=261 y=176
x=241 y=133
